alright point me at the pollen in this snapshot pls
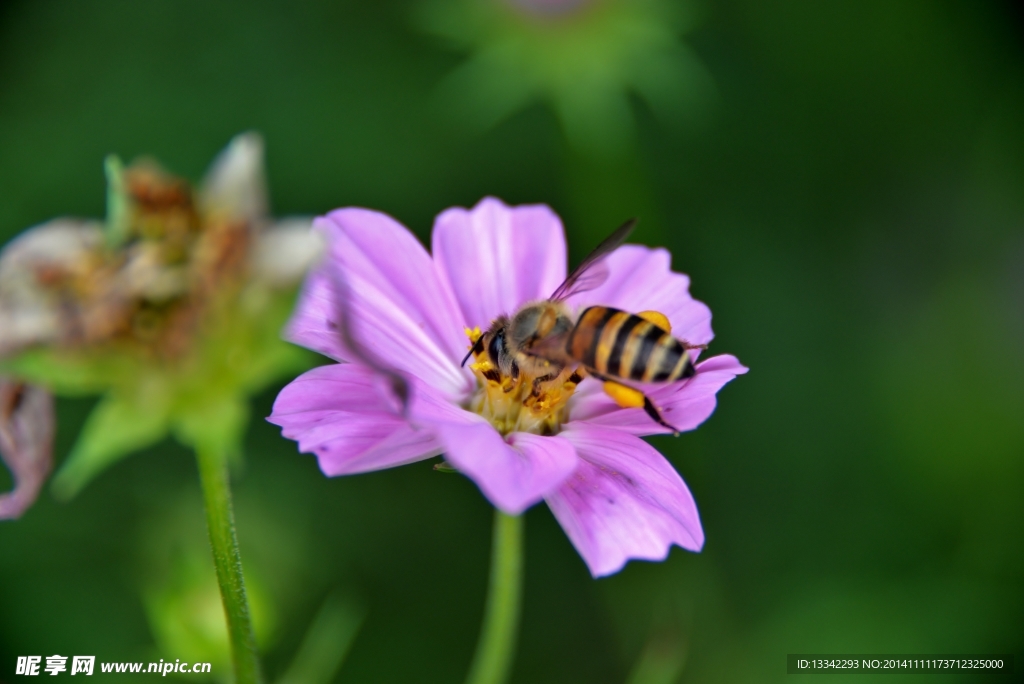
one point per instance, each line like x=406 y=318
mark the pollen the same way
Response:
x=624 y=396
x=482 y=366
x=521 y=404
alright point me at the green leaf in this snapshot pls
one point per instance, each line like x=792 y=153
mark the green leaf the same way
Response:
x=117 y=427
x=117 y=202
x=661 y=661
x=326 y=643
x=68 y=373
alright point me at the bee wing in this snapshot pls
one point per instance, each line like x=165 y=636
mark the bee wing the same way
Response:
x=592 y=271
x=357 y=351
x=552 y=348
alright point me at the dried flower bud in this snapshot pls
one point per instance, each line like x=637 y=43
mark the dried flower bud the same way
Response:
x=172 y=309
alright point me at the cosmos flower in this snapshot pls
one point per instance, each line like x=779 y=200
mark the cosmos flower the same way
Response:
x=573 y=446
x=585 y=58
x=170 y=309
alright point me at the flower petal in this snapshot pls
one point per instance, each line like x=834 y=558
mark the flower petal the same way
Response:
x=338 y=413
x=236 y=183
x=625 y=501
x=29 y=314
x=284 y=251
x=497 y=257
x=398 y=310
x=514 y=472
x=26 y=443
x=642 y=279
x=317 y=306
x=684 y=404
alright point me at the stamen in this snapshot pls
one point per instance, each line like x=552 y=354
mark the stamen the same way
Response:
x=514 y=404
x=482 y=366
x=474 y=339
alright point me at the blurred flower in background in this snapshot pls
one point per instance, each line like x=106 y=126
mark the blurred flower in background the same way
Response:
x=26 y=442
x=584 y=57
x=171 y=309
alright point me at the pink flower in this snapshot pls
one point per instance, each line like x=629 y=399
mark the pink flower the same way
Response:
x=616 y=497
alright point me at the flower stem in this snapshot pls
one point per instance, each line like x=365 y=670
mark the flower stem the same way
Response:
x=220 y=519
x=494 y=651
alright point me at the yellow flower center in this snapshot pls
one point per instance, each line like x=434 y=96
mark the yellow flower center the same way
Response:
x=514 y=405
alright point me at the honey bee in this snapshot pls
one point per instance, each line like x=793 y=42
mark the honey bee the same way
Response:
x=543 y=338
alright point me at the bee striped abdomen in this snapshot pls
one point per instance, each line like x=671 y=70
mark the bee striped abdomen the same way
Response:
x=622 y=345
x=585 y=337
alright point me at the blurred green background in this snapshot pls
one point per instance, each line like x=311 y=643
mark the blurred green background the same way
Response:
x=850 y=204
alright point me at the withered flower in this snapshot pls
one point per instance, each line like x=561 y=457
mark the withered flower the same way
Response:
x=171 y=308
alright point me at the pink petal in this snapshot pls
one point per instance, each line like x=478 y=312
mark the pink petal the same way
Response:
x=641 y=279
x=624 y=501
x=684 y=404
x=497 y=257
x=339 y=413
x=399 y=311
x=514 y=472
x=316 y=306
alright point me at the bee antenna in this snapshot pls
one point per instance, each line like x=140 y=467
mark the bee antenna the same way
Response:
x=477 y=347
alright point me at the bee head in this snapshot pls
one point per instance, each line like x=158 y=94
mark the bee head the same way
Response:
x=499 y=351
x=494 y=343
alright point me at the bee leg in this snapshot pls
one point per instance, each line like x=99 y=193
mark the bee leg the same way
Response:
x=514 y=377
x=687 y=345
x=630 y=397
x=651 y=410
x=538 y=381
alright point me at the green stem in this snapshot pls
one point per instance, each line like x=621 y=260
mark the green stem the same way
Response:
x=494 y=651
x=220 y=519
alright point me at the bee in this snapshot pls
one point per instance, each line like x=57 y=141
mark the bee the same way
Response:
x=543 y=338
